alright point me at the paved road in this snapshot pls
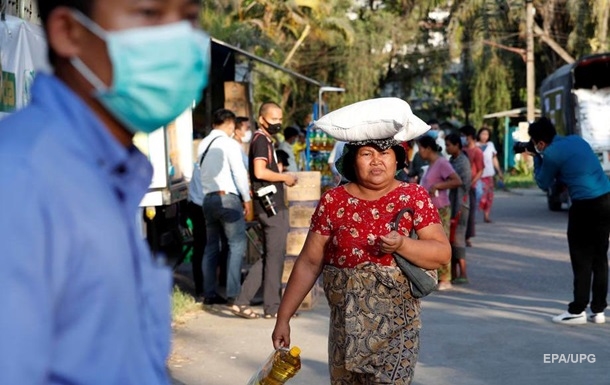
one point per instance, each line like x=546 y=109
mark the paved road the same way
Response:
x=496 y=330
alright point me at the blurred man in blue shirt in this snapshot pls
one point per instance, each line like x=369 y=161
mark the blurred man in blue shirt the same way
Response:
x=82 y=301
x=571 y=160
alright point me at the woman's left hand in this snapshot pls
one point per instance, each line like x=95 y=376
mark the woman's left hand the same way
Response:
x=391 y=242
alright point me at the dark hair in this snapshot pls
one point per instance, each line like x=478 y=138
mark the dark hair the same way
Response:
x=45 y=7
x=266 y=106
x=433 y=121
x=481 y=130
x=348 y=160
x=290 y=132
x=241 y=119
x=221 y=116
x=542 y=130
x=427 y=141
x=469 y=131
x=454 y=139
x=282 y=157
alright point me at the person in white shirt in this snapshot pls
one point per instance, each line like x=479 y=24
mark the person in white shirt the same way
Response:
x=226 y=197
x=491 y=165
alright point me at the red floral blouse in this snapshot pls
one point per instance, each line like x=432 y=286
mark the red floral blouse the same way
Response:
x=354 y=225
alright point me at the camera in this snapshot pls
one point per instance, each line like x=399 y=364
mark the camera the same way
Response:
x=265 y=194
x=520 y=147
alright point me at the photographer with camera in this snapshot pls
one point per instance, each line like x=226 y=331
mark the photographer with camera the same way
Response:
x=571 y=161
x=271 y=212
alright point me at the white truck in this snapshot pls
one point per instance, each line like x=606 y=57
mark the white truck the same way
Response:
x=576 y=98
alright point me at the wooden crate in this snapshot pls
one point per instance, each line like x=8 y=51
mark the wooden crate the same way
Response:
x=288 y=266
x=300 y=212
x=308 y=187
x=295 y=241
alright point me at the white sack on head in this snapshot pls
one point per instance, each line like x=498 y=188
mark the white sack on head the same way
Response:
x=371 y=119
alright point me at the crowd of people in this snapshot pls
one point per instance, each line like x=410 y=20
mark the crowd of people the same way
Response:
x=459 y=170
x=235 y=170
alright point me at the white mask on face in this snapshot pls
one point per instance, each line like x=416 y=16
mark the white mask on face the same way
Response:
x=247 y=137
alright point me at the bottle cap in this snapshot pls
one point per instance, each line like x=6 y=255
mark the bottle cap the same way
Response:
x=295 y=351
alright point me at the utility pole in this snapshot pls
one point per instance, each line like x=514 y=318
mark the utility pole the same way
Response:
x=531 y=79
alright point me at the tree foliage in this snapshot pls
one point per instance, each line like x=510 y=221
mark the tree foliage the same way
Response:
x=460 y=66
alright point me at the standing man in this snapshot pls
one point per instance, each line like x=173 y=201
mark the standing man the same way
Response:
x=264 y=172
x=475 y=155
x=83 y=300
x=571 y=160
x=226 y=197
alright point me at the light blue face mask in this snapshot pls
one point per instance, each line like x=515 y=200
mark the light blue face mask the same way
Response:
x=157 y=72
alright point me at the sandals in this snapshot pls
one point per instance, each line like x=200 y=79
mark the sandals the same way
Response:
x=244 y=311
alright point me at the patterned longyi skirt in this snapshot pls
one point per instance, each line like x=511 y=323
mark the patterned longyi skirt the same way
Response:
x=374 y=325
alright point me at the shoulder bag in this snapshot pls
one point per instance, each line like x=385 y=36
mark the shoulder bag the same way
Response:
x=422 y=281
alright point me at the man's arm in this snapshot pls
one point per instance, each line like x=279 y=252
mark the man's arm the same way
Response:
x=480 y=164
x=263 y=173
x=26 y=292
x=545 y=171
x=238 y=170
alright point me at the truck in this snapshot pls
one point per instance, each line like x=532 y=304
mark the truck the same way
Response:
x=576 y=98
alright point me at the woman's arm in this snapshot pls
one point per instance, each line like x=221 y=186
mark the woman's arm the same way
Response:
x=306 y=270
x=452 y=181
x=497 y=166
x=430 y=251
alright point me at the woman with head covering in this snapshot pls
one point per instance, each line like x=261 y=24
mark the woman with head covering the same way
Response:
x=374 y=321
x=440 y=177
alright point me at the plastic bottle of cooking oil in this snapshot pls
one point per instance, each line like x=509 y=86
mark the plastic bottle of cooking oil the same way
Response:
x=282 y=365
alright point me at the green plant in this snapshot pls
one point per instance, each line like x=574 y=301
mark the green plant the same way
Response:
x=182 y=305
x=519 y=180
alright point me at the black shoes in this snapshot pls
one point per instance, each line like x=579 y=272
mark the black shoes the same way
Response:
x=215 y=301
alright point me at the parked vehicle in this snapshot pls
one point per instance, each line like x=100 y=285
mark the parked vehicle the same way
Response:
x=576 y=98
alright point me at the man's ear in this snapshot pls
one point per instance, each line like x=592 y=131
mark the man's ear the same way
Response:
x=64 y=33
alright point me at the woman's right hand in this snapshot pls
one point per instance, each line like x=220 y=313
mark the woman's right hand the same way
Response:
x=281 y=334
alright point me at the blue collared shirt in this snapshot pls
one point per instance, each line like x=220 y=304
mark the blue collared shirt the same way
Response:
x=571 y=160
x=81 y=299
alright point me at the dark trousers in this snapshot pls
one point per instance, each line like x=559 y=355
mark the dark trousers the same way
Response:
x=472 y=213
x=268 y=270
x=195 y=213
x=588 y=231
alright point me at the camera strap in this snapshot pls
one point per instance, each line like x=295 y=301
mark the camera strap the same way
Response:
x=206 y=151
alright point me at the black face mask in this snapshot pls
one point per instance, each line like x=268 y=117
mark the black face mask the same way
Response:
x=273 y=129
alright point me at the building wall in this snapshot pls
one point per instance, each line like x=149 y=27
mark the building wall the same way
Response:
x=25 y=9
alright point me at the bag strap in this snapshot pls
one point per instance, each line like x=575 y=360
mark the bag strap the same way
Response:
x=400 y=214
x=206 y=151
x=269 y=146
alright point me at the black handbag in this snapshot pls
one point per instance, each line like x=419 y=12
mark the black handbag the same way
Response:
x=422 y=281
